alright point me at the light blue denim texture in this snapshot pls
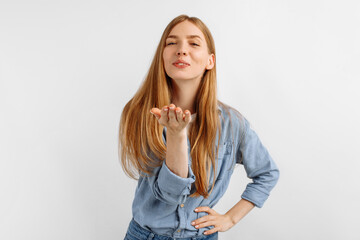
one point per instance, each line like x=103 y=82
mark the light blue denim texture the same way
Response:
x=136 y=232
x=158 y=200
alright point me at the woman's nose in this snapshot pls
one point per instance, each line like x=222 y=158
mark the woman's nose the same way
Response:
x=181 y=51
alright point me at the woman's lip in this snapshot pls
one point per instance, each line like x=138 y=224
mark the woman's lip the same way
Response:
x=180 y=66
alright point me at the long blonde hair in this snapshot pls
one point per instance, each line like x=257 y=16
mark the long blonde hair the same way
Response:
x=141 y=147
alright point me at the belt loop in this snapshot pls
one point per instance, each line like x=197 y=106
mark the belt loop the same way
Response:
x=151 y=236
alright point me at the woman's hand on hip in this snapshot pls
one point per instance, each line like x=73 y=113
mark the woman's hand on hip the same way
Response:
x=172 y=118
x=220 y=222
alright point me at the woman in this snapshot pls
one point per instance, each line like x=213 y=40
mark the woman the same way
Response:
x=183 y=153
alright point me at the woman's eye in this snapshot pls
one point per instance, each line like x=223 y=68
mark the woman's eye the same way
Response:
x=170 y=43
x=194 y=44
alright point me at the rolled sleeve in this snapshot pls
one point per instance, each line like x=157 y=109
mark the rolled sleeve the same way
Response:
x=174 y=184
x=259 y=167
x=167 y=186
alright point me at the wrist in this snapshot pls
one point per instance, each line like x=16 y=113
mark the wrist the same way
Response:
x=176 y=134
x=231 y=218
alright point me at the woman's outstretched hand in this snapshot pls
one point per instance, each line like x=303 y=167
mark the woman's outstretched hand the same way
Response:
x=220 y=222
x=172 y=118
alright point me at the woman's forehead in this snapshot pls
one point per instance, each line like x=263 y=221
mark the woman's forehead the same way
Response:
x=186 y=29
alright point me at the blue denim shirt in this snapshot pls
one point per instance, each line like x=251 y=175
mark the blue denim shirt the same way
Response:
x=162 y=203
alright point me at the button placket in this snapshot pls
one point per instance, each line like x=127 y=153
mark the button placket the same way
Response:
x=182 y=219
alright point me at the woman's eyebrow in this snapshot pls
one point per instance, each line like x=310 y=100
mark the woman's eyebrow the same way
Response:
x=188 y=36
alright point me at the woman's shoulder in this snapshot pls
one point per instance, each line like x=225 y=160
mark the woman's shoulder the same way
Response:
x=230 y=113
x=230 y=116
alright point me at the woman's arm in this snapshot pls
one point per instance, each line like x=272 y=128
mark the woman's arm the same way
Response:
x=171 y=181
x=177 y=153
x=259 y=166
x=176 y=138
x=239 y=210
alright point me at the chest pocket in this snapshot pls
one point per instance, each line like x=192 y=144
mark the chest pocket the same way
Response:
x=222 y=159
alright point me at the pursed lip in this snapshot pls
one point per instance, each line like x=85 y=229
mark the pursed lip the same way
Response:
x=181 y=61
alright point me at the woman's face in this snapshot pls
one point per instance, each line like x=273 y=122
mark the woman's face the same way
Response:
x=186 y=54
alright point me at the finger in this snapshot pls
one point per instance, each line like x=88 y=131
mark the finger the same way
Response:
x=202 y=209
x=164 y=113
x=211 y=231
x=202 y=220
x=179 y=114
x=156 y=112
x=207 y=209
x=187 y=116
x=172 y=116
x=205 y=224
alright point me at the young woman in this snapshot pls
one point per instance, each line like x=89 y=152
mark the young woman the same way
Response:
x=181 y=143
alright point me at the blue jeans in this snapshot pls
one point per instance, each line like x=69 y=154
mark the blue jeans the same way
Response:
x=136 y=232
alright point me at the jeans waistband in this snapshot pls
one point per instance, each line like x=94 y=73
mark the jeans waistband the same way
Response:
x=143 y=233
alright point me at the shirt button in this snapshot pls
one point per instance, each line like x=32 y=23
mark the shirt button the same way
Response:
x=182 y=205
x=179 y=230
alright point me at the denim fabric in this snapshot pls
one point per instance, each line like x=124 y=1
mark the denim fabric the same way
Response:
x=136 y=232
x=162 y=203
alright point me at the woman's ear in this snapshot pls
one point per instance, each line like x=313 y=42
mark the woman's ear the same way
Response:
x=211 y=62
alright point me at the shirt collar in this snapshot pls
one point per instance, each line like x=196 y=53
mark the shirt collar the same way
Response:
x=220 y=108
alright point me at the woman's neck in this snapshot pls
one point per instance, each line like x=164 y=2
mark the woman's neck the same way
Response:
x=184 y=95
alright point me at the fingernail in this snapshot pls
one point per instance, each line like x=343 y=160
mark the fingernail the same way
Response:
x=196 y=210
x=193 y=223
x=166 y=109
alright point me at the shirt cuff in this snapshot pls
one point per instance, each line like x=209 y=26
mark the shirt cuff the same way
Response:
x=172 y=183
x=255 y=196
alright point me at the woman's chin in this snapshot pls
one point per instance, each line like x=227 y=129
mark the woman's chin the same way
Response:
x=181 y=77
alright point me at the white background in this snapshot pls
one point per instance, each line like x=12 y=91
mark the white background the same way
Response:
x=67 y=68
